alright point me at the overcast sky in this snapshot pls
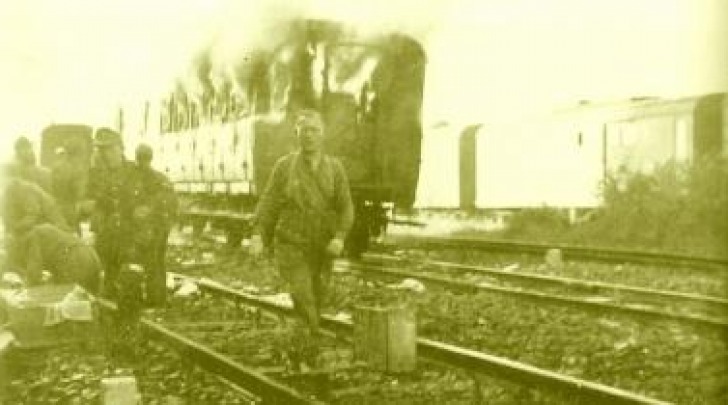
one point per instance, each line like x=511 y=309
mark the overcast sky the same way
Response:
x=75 y=60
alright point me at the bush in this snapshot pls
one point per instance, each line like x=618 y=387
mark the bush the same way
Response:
x=678 y=207
x=537 y=224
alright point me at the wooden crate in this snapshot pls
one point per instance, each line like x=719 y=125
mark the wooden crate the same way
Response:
x=26 y=319
x=386 y=336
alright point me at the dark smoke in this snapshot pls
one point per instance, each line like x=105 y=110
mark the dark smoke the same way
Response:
x=253 y=53
x=203 y=67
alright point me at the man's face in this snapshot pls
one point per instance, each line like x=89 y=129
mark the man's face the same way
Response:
x=310 y=136
x=109 y=154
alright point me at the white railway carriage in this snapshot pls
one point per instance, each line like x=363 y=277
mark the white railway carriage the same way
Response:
x=559 y=160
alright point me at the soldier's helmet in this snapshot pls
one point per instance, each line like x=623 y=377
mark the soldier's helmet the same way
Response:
x=107 y=137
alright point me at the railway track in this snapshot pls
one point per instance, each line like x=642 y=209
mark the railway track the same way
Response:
x=571 y=252
x=714 y=304
x=429 y=351
x=634 y=301
x=254 y=383
x=463 y=334
x=601 y=297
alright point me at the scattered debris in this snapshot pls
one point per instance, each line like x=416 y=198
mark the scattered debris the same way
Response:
x=554 y=259
x=621 y=345
x=342 y=316
x=187 y=288
x=6 y=340
x=11 y=280
x=173 y=282
x=251 y=289
x=609 y=324
x=512 y=267
x=207 y=258
x=282 y=299
x=409 y=284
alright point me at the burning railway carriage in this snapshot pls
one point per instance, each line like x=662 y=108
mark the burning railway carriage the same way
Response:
x=219 y=149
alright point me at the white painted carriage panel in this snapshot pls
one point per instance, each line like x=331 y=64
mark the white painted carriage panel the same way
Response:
x=207 y=144
x=191 y=170
x=242 y=159
x=169 y=161
x=438 y=185
x=184 y=146
x=538 y=164
x=224 y=152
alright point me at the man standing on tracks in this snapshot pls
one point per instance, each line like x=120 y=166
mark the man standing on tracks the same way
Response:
x=113 y=190
x=306 y=211
x=153 y=216
x=28 y=169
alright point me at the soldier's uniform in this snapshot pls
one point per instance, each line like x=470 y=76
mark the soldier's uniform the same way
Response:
x=301 y=210
x=37 y=175
x=160 y=203
x=64 y=255
x=114 y=191
x=24 y=206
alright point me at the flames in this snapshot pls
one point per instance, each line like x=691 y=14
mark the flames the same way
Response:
x=265 y=56
x=313 y=57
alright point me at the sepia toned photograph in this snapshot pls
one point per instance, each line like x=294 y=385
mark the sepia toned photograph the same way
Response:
x=364 y=202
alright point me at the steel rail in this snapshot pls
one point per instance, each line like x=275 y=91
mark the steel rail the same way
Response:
x=560 y=281
x=269 y=390
x=570 y=251
x=458 y=357
x=601 y=307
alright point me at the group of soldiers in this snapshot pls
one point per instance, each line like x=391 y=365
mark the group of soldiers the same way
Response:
x=302 y=219
x=129 y=206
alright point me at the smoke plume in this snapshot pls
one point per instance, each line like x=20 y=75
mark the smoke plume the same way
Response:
x=236 y=57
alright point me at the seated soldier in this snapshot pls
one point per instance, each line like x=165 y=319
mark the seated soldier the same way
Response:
x=64 y=255
x=24 y=205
